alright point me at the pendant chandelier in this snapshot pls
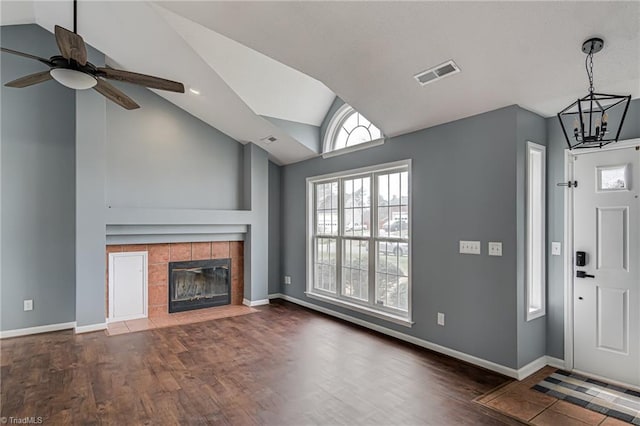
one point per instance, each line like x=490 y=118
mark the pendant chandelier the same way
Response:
x=596 y=119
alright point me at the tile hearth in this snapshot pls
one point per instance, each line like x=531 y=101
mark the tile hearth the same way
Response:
x=180 y=318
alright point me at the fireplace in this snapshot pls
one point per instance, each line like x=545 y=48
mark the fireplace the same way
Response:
x=199 y=284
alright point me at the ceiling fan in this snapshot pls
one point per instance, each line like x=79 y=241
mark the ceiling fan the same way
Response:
x=72 y=69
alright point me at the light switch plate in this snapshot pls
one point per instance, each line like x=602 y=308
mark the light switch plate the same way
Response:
x=495 y=248
x=556 y=248
x=440 y=318
x=470 y=247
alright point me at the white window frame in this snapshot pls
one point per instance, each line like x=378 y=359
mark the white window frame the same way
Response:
x=536 y=238
x=383 y=312
x=338 y=119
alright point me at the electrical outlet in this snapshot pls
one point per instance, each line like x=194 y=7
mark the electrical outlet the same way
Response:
x=441 y=319
x=470 y=247
x=495 y=248
x=28 y=305
x=287 y=279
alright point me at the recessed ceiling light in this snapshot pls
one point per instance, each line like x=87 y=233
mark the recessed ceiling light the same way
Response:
x=194 y=91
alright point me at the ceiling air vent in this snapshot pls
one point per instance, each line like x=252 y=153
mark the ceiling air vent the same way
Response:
x=269 y=139
x=437 y=72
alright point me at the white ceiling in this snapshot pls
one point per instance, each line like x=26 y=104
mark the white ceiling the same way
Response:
x=251 y=58
x=269 y=87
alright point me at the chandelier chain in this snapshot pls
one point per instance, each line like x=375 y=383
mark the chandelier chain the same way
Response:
x=588 y=64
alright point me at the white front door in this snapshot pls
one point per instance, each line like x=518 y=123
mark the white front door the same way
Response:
x=127 y=286
x=607 y=288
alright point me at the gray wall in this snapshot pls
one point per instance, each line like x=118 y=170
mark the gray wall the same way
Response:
x=275 y=276
x=91 y=133
x=531 y=334
x=306 y=134
x=464 y=187
x=337 y=103
x=256 y=243
x=37 y=147
x=159 y=156
x=555 y=223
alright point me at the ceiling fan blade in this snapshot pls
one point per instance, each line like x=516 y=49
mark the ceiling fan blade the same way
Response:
x=115 y=95
x=26 y=55
x=71 y=45
x=141 y=79
x=30 y=80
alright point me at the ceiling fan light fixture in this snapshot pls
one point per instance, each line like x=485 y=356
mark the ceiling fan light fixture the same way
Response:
x=73 y=79
x=72 y=69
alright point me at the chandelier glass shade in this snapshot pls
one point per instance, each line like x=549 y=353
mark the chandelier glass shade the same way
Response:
x=596 y=119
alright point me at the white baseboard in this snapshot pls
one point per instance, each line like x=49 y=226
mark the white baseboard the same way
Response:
x=248 y=302
x=53 y=327
x=518 y=374
x=275 y=296
x=37 y=330
x=532 y=367
x=537 y=364
x=91 y=327
x=556 y=362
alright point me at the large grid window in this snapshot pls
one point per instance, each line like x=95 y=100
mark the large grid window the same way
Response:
x=359 y=240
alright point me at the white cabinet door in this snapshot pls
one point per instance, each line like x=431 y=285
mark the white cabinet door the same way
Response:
x=127 y=286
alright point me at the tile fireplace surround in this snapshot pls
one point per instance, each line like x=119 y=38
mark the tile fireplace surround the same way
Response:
x=158 y=274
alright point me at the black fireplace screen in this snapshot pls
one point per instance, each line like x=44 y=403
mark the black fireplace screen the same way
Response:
x=199 y=284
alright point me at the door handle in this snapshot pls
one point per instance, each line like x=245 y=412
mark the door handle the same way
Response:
x=583 y=274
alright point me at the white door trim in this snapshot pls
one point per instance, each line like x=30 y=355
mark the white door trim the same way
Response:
x=568 y=242
x=145 y=288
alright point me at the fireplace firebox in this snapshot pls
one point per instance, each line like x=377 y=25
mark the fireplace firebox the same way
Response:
x=199 y=284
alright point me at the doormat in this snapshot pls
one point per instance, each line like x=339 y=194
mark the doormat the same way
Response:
x=610 y=400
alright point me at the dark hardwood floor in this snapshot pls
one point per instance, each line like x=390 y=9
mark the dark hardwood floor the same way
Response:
x=282 y=365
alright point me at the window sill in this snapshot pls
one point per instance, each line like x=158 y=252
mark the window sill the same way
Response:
x=353 y=148
x=535 y=314
x=362 y=309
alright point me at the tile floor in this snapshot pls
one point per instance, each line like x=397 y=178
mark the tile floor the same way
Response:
x=518 y=400
x=178 y=318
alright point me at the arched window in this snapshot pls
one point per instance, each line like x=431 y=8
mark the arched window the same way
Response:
x=349 y=128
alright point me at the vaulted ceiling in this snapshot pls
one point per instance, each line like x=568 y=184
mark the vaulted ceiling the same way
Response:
x=254 y=61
